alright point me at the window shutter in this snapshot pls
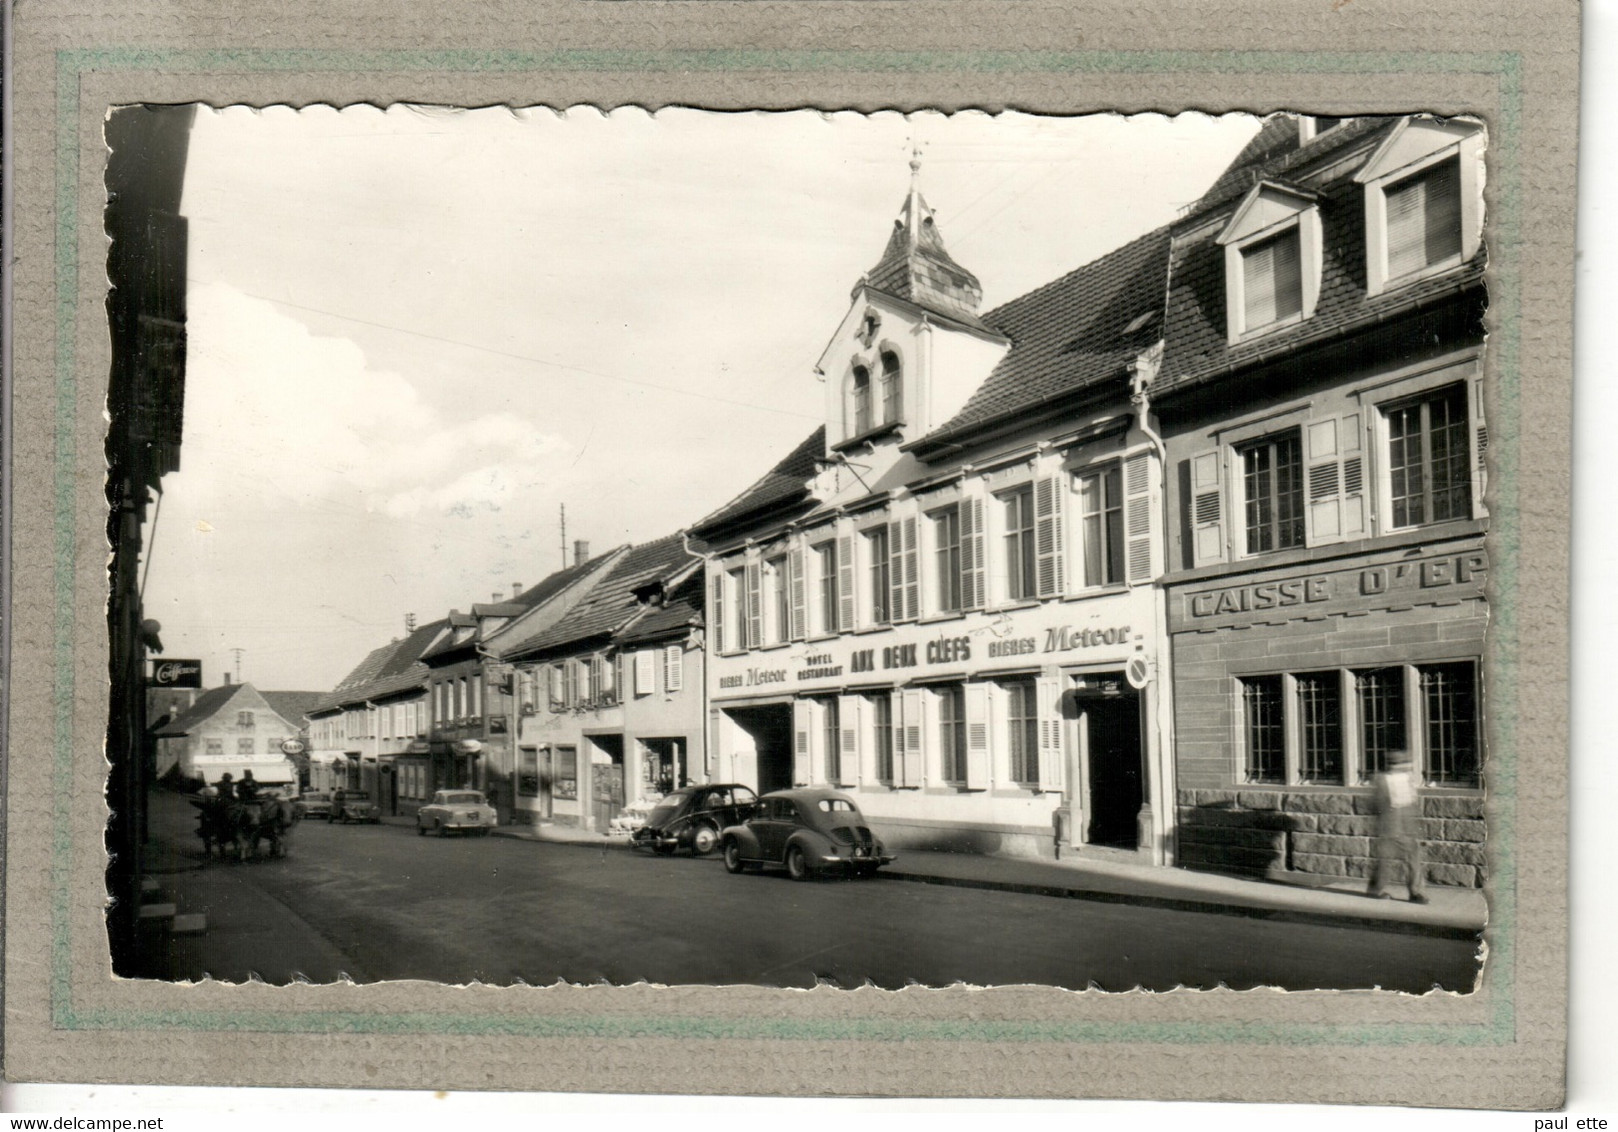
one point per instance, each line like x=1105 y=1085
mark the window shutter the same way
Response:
x=645 y=681
x=716 y=617
x=1480 y=460
x=803 y=731
x=904 y=582
x=1051 y=761
x=1048 y=535
x=1353 y=477
x=673 y=668
x=1335 y=480
x=755 y=607
x=1272 y=280
x=850 y=718
x=974 y=588
x=845 y=584
x=909 y=752
x=1138 y=518
x=1207 y=510
x=977 y=737
x=800 y=608
x=1424 y=219
x=609 y=675
x=566 y=669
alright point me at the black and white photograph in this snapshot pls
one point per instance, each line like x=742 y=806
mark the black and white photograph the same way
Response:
x=798 y=549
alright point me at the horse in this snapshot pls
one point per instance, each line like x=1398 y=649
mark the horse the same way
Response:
x=268 y=819
x=216 y=825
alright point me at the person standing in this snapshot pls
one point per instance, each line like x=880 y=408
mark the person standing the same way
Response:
x=1398 y=829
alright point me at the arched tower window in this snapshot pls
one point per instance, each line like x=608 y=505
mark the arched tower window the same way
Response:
x=862 y=401
x=892 y=388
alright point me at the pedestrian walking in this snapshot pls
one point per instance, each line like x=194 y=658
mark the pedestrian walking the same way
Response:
x=1398 y=829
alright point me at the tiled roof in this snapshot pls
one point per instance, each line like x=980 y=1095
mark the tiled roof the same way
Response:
x=916 y=267
x=612 y=601
x=1071 y=334
x=682 y=608
x=201 y=709
x=369 y=668
x=292 y=706
x=1196 y=345
x=787 y=482
x=1274 y=151
x=410 y=650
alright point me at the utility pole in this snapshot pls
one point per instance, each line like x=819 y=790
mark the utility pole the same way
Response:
x=238 y=653
x=564 y=536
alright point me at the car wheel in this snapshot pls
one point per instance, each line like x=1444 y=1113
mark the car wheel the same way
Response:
x=797 y=864
x=733 y=857
x=703 y=840
x=443 y=830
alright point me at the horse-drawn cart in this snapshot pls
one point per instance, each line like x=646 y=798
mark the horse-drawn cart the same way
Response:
x=243 y=824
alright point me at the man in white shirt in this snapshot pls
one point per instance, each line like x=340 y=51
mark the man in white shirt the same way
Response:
x=1398 y=828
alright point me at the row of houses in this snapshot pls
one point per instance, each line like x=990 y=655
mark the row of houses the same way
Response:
x=1162 y=559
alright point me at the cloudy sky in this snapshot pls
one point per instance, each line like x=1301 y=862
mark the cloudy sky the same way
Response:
x=416 y=333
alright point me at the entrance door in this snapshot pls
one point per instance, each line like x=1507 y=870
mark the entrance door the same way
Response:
x=1112 y=727
x=771 y=730
x=607 y=780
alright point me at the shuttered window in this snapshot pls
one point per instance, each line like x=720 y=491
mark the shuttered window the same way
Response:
x=778 y=618
x=882 y=735
x=1101 y=501
x=645 y=673
x=904 y=573
x=825 y=556
x=1272 y=481
x=1049 y=491
x=1429 y=461
x=947 y=558
x=1020 y=563
x=1424 y=219
x=831 y=739
x=1022 y=731
x=876 y=553
x=951 y=701
x=673 y=668
x=1272 y=280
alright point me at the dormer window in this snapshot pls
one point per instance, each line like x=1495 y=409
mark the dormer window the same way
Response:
x=1272 y=261
x=1311 y=127
x=1423 y=201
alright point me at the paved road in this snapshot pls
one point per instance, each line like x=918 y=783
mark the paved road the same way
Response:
x=378 y=902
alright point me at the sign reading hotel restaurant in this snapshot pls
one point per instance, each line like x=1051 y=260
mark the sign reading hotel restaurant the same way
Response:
x=977 y=642
x=176 y=673
x=1445 y=577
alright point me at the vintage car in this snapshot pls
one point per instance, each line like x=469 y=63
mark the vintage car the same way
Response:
x=691 y=818
x=353 y=805
x=315 y=803
x=466 y=810
x=807 y=831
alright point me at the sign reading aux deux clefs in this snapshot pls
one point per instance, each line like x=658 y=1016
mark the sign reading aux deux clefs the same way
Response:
x=176 y=673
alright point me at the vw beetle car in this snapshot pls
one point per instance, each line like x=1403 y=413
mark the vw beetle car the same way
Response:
x=806 y=831
x=691 y=818
x=354 y=805
x=466 y=810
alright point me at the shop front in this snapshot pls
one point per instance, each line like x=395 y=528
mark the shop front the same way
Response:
x=1017 y=730
x=1295 y=682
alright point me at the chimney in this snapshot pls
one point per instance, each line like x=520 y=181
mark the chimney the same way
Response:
x=227 y=679
x=516 y=590
x=495 y=597
x=581 y=551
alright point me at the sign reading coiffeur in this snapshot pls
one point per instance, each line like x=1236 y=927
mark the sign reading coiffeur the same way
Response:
x=176 y=674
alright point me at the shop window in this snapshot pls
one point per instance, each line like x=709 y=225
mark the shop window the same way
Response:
x=1272 y=493
x=1101 y=507
x=528 y=772
x=878 y=576
x=1022 y=731
x=1019 y=563
x=1429 y=459
x=1263 y=725
x=882 y=735
x=946 y=528
x=951 y=701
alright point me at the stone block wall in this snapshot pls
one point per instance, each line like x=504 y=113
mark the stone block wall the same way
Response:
x=1327 y=833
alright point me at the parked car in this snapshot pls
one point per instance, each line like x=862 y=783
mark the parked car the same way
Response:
x=353 y=805
x=692 y=818
x=315 y=803
x=466 y=810
x=807 y=832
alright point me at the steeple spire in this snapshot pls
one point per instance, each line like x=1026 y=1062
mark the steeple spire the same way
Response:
x=915 y=265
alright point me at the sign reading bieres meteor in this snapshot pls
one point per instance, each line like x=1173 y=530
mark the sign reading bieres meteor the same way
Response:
x=176 y=674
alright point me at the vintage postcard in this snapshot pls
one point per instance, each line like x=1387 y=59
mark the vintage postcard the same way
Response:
x=862 y=556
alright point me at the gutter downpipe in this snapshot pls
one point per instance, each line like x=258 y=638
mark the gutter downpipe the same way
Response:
x=1163 y=792
x=708 y=729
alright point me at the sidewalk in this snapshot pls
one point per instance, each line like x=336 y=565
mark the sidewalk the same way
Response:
x=1452 y=912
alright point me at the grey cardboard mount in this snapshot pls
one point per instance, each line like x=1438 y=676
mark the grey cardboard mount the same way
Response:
x=66 y=1017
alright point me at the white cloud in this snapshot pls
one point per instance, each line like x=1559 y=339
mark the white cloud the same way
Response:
x=282 y=419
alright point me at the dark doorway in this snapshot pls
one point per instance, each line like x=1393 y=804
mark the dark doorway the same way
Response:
x=607 y=779
x=1112 y=724
x=771 y=729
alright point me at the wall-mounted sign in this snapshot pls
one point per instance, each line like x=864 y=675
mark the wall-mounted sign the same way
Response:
x=1138 y=672
x=419 y=747
x=176 y=674
x=291 y=747
x=468 y=747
